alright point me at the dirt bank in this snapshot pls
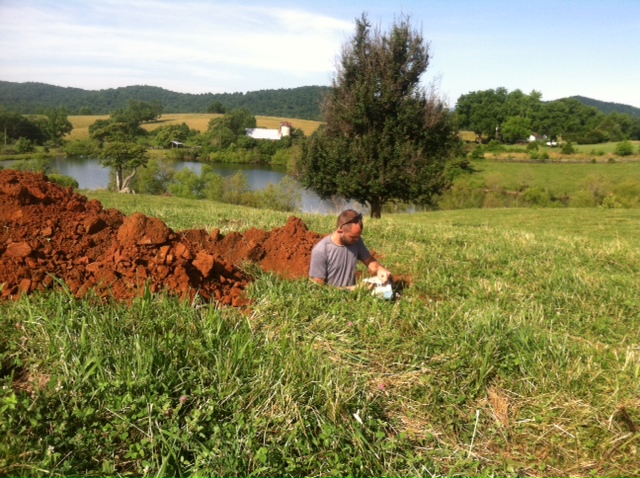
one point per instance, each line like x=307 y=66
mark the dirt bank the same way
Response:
x=51 y=236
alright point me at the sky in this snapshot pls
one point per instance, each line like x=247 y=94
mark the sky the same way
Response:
x=560 y=48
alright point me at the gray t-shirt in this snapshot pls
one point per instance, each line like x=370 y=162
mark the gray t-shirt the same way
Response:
x=336 y=265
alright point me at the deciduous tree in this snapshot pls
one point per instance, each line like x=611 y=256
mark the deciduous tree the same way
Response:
x=123 y=156
x=57 y=125
x=386 y=137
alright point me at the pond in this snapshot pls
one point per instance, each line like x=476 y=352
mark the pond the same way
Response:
x=90 y=174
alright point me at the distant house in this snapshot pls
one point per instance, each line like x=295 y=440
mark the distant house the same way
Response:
x=537 y=137
x=542 y=139
x=270 y=134
x=175 y=144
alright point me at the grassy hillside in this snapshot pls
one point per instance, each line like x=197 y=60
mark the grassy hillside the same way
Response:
x=195 y=121
x=559 y=178
x=513 y=351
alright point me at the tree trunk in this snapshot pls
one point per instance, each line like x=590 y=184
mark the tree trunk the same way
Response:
x=376 y=208
x=123 y=187
x=118 y=179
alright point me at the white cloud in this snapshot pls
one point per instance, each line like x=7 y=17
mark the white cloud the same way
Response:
x=197 y=40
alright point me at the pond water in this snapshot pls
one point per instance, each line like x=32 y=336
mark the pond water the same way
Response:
x=90 y=174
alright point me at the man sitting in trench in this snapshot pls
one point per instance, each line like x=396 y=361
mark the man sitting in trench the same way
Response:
x=335 y=257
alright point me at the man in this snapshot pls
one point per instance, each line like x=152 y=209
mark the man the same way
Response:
x=335 y=257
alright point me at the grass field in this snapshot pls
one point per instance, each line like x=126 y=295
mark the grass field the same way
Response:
x=195 y=121
x=560 y=178
x=596 y=153
x=514 y=350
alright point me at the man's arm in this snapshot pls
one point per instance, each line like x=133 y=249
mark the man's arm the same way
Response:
x=318 y=266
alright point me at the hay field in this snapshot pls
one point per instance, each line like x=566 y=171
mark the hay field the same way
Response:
x=197 y=121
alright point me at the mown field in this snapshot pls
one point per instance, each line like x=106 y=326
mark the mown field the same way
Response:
x=514 y=350
x=559 y=178
x=195 y=121
x=594 y=153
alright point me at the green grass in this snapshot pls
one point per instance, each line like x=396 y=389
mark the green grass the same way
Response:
x=606 y=148
x=514 y=350
x=561 y=178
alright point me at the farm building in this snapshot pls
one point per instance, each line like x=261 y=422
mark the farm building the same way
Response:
x=271 y=134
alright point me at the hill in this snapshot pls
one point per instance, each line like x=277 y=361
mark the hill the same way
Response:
x=608 y=107
x=30 y=98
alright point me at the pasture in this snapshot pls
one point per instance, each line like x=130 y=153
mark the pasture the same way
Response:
x=514 y=350
x=560 y=178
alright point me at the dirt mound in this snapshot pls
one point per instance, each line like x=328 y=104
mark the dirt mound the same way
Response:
x=49 y=234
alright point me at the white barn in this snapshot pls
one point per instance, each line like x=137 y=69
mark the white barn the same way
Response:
x=271 y=134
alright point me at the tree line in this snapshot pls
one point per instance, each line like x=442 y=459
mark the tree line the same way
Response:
x=20 y=133
x=510 y=117
x=32 y=98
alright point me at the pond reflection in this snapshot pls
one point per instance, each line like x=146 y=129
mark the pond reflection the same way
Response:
x=90 y=174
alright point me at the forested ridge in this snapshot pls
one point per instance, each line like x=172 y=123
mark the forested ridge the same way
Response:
x=31 y=98
x=607 y=107
x=302 y=102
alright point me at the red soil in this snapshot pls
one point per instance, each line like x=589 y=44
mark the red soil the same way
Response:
x=51 y=236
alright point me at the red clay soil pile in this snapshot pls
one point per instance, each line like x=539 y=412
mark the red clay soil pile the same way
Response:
x=50 y=235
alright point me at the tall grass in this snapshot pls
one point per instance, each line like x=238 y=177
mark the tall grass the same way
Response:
x=514 y=350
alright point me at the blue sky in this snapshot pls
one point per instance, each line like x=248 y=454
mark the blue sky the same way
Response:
x=558 y=47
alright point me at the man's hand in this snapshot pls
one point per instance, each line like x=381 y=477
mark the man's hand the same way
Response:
x=383 y=274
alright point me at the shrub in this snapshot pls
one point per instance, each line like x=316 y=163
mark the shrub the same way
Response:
x=536 y=196
x=213 y=183
x=64 y=181
x=627 y=193
x=477 y=153
x=567 y=148
x=9 y=149
x=187 y=184
x=495 y=200
x=36 y=165
x=594 y=137
x=154 y=178
x=23 y=145
x=79 y=148
x=595 y=189
x=583 y=199
x=282 y=157
x=465 y=193
x=611 y=201
x=234 y=188
x=624 y=148
x=285 y=196
x=495 y=146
